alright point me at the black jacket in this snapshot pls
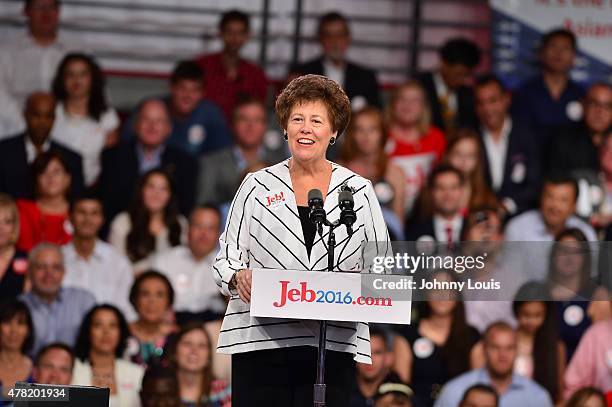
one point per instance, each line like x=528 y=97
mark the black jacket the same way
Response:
x=522 y=169
x=465 y=116
x=416 y=229
x=572 y=149
x=120 y=175
x=15 y=178
x=358 y=80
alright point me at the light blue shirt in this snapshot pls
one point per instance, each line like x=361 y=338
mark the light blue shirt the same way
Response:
x=154 y=160
x=60 y=320
x=522 y=392
x=531 y=253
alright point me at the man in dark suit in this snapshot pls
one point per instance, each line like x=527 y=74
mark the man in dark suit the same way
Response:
x=450 y=99
x=123 y=165
x=511 y=158
x=358 y=82
x=444 y=225
x=576 y=145
x=18 y=152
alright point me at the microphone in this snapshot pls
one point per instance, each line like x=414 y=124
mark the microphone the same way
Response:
x=317 y=213
x=346 y=204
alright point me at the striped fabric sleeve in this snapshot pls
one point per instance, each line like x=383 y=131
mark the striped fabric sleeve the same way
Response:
x=234 y=241
x=378 y=243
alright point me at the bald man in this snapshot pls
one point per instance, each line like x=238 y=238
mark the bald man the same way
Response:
x=575 y=147
x=18 y=152
x=123 y=165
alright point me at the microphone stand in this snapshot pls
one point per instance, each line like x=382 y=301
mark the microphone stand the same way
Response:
x=319 y=217
x=319 y=386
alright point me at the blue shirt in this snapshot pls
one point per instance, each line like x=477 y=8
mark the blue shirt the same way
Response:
x=147 y=163
x=205 y=130
x=534 y=106
x=522 y=392
x=60 y=320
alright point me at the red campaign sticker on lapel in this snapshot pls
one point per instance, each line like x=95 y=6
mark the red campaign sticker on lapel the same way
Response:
x=20 y=266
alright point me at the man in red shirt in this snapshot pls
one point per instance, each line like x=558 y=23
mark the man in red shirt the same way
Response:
x=227 y=76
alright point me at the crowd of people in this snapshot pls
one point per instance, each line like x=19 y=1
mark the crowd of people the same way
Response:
x=109 y=226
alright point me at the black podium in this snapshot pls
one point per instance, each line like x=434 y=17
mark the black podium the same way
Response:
x=45 y=395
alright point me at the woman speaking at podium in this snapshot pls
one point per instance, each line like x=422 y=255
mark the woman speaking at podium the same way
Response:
x=274 y=360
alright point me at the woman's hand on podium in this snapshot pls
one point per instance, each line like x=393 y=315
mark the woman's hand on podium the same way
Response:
x=244 y=279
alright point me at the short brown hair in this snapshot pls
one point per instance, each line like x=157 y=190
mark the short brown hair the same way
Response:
x=39 y=166
x=502 y=326
x=312 y=88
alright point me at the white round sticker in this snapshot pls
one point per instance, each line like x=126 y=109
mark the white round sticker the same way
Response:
x=182 y=282
x=272 y=139
x=384 y=192
x=426 y=244
x=573 y=315
x=68 y=228
x=133 y=346
x=521 y=365
x=596 y=194
x=390 y=146
x=423 y=348
x=609 y=358
x=196 y=134
x=574 y=110
x=518 y=173
x=358 y=102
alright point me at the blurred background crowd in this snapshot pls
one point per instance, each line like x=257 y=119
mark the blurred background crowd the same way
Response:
x=110 y=217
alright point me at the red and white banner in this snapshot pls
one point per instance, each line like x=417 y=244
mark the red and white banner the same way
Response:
x=331 y=296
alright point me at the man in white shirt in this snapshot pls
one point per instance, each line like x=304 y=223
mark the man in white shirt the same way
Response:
x=189 y=268
x=94 y=265
x=556 y=213
x=28 y=62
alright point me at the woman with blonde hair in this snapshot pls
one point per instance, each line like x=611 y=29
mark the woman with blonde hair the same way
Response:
x=13 y=263
x=414 y=144
x=363 y=152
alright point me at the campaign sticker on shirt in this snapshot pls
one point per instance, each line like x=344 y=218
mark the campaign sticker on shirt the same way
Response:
x=519 y=171
x=423 y=348
x=182 y=282
x=358 y=102
x=20 y=266
x=574 y=110
x=390 y=146
x=609 y=358
x=272 y=139
x=196 y=134
x=521 y=365
x=133 y=347
x=68 y=228
x=384 y=192
x=596 y=194
x=573 y=315
x=274 y=199
x=426 y=244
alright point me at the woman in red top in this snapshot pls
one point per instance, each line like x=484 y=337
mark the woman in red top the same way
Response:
x=45 y=219
x=414 y=144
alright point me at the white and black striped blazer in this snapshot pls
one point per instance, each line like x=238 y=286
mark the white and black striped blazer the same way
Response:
x=261 y=234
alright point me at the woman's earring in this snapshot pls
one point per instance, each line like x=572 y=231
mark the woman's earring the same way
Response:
x=285 y=135
x=332 y=141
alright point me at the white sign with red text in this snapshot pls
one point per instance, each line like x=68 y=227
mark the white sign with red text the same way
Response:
x=331 y=296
